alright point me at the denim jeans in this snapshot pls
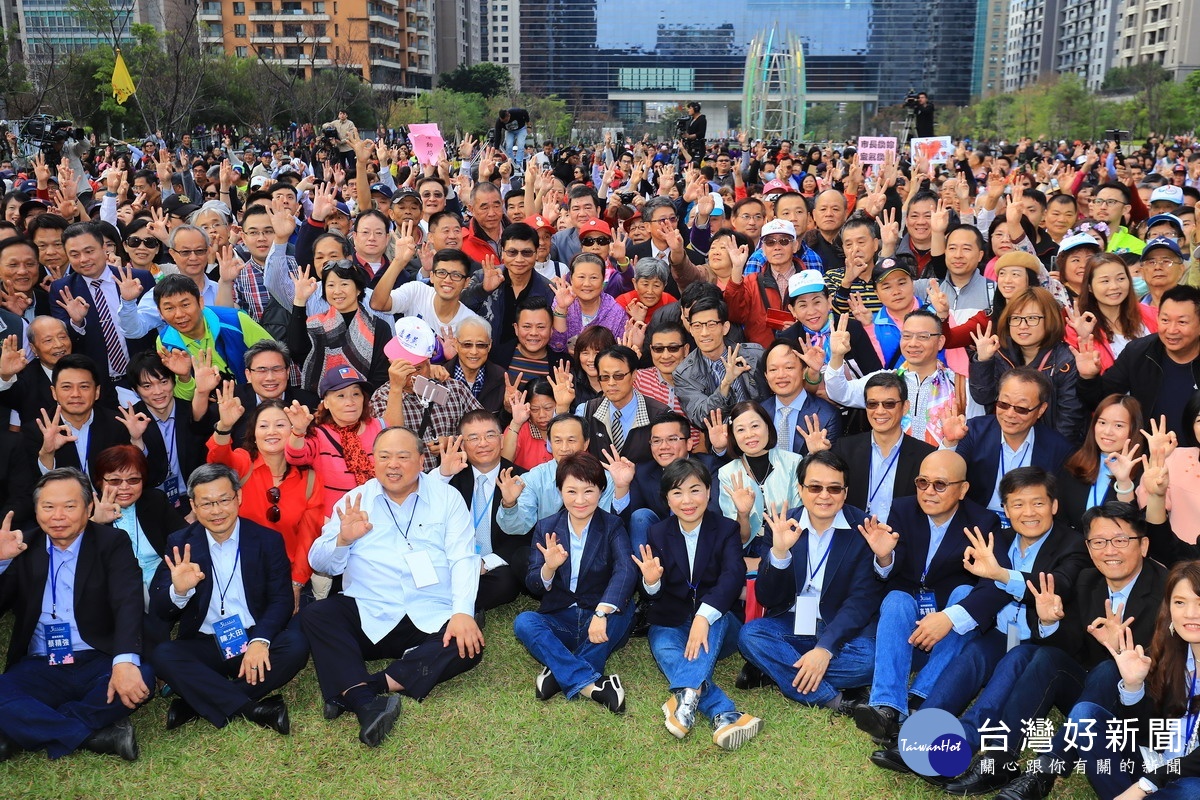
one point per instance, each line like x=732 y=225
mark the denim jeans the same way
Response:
x=769 y=644
x=559 y=640
x=667 y=646
x=640 y=522
x=516 y=139
x=895 y=657
x=962 y=679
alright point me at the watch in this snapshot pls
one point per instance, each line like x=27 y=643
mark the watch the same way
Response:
x=600 y=614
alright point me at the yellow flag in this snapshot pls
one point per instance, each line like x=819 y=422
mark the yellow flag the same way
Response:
x=122 y=81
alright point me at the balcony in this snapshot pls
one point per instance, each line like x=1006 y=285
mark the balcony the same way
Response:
x=210 y=12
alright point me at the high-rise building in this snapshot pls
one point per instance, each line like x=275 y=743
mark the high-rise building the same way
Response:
x=1029 y=52
x=1084 y=39
x=1165 y=32
x=46 y=28
x=501 y=36
x=458 y=33
x=991 y=35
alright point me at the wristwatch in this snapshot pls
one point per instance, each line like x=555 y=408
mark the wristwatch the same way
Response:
x=600 y=614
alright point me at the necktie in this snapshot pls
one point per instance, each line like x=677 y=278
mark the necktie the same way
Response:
x=783 y=426
x=615 y=429
x=118 y=362
x=480 y=508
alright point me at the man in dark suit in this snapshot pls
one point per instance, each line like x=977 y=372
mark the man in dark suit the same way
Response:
x=25 y=385
x=471 y=464
x=894 y=457
x=1067 y=663
x=79 y=430
x=267 y=367
x=993 y=446
x=474 y=338
x=816 y=647
x=90 y=297
x=227 y=582
x=919 y=557
x=668 y=243
x=789 y=405
x=670 y=441
x=172 y=428
x=20 y=293
x=74 y=670
x=621 y=415
x=583 y=573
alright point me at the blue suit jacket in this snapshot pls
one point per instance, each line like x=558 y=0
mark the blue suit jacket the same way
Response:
x=831 y=419
x=645 y=491
x=850 y=595
x=607 y=572
x=266 y=581
x=981 y=450
x=719 y=571
x=946 y=571
x=91 y=344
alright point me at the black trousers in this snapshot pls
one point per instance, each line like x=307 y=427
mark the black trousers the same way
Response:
x=197 y=671
x=340 y=650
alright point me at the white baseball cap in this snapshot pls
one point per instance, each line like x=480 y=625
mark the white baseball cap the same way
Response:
x=1167 y=194
x=779 y=226
x=415 y=341
x=806 y=282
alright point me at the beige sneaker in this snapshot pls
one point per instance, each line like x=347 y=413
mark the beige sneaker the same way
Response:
x=734 y=729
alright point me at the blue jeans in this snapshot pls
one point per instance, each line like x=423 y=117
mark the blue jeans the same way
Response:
x=59 y=707
x=516 y=139
x=968 y=673
x=895 y=657
x=640 y=522
x=559 y=641
x=769 y=644
x=667 y=646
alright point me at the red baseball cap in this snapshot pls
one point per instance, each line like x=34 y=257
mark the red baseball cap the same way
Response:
x=595 y=225
x=538 y=222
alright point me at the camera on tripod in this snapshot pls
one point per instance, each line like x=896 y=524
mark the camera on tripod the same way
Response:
x=44 y=132
x=681 y=125
x=910 y=100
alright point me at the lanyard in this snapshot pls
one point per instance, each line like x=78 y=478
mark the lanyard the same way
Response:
x=223 y=590
x=887 y=468
x=812 y=571
x=477 y=515
x=388 y=505
x=1096 y=495
x=1020 y=457
x=1192 y=719
x=53 y=582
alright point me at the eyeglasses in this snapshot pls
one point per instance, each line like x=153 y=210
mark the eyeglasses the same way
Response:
x=273 y=513
x=520 y=253
x=255 y=234
x=659 y=441
x=1162 y=262
x=707 y=326
x=616 y=377
x=1119 y=542
x=213 y=505
x=1022 y=410
x=1030 y=321
x=1107 y=201
x=190 y=253
x=138 y=241
x=665 y=348
x=776 y=241
x=210 y=194
x=136 y=480
x=432 y=195
x=752 y=217
x=447 y=274
x=833 y=489
x=595 y=241
x=939 y=486
x=474 y=345
x=671 y=220
x=888 y=404
x=918 y=337
x=267 y=370
x=476 y=438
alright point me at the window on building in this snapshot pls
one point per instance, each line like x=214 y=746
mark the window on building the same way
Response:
x=240 y=51
x=321 y=51
x=319 y=7
x=239 y=30
x=292 y=31
x=318 y=29
x=263 y=7
x=239 y=9
x=264 y=29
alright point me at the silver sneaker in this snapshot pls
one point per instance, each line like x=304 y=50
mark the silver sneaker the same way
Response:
x=680 y=711
x=734 y=729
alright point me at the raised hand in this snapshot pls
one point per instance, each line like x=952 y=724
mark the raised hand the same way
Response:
x=229 y=406
x=1084 y=324
x=510 y=487
x=55 y=432
x=859 y=310
x=735 y=365
x=16 y=302
x=305 y=287
x=1155 y=477
x=1160 y=441
x=742 y=495
x=738 y=256
x=812 y=354
x=564 y=295
x=299 y=417
x=454 y=458
x=954 y=429
x=134 y=421
x=511 y=387
x=621 y=469
x=105 y=509
x=649 y=564
x=979 y=558
x=785 y=531
x=185 y=573
x=399 y=375
x=839 y=337
x=815 y=437
x=354 y=522
x=554 y=553
x=986 y=343
x=1121 y=464
x=229 y=265
x=1048 y=604
x=941 y=218
x=12 y=542
x=880 y=538
x=889 y=232
x=562 y=383
x=1107 y=629
x=12 y=358
x=76 y=307
x=520 y=410
x=177 y=360
x=1132 y=661
x=937 y=299
x=718 y=431
x=492 y=276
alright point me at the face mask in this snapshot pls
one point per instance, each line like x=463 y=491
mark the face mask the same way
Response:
x=767 y=176
x=1139 y=287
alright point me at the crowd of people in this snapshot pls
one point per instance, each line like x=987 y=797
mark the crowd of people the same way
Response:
x=905 y=436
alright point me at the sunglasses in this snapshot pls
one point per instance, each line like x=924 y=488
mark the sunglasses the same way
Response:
x=665 y=348
x=938 y=486
x=1022 y=410
x=138 y=241
x=816 y=488
x=594 y=241
x=888 y=404
x=273 y=513
x=777 y=241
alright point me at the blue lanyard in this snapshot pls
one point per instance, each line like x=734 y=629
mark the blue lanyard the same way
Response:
x=1192 y=719
x=812 y=572
x=53 y=581
x=475 y=517
x=1095 y=496
x=388 y=505
x=1020 y=457
x=887 y=468
x=222 y=591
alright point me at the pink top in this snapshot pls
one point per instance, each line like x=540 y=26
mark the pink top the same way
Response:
x=322 y=450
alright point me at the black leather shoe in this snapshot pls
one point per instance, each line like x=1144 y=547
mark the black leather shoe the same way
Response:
x=1034 y=786
x=976 y=782
x=332 y=709
x=890 y=759
x=115 y=740
x=377 y=719
x=880 y=722
x=751 y=677
x=641 y=623
x=8 y=748
x=180 y=713
x=270 y=712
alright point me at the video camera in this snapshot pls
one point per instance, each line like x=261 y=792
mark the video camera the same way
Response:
x=331 y=134
x=43 y=131
x=910 y=100
x=681 y=124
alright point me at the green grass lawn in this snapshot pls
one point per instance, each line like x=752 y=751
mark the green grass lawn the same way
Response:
x=483 y=735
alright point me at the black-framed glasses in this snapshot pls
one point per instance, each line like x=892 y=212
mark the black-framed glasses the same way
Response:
x=939 y=486
x=273 y=513
x=1119 y=542
x=447 y=274
x=665 y=348
x=595 y=241
x=1031 y=320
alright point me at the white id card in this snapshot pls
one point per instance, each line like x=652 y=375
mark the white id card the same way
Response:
x=422 y=568
x=807 y=608
x=1014 y=635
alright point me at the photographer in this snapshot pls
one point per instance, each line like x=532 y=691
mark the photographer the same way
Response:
x=693 y=128
x=338 y=134
x=922 y=111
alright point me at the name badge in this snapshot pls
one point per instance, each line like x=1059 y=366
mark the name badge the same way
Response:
x=807 y=610
x=926 y=604
x=422 y=568
x=1014 y=635
x=59 y=650
x=231 y=636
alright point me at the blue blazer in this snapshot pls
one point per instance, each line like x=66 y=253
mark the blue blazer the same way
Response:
x=850 y=596
x=831 y=419
x=645 y=491
x=719 y=570
x=946 y=571
x=981 y=450
x=607 y=572
x=92 y=343
x=266 y=581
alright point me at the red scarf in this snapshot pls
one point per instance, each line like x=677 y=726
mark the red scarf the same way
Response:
x=358 y=463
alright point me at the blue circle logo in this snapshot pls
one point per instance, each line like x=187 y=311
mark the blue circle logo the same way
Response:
x=933 y=742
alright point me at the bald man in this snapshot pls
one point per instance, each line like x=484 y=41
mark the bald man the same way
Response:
x=932 y=602
x=828 y=214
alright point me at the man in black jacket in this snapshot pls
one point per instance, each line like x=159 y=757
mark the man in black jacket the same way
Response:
x=512 y=126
